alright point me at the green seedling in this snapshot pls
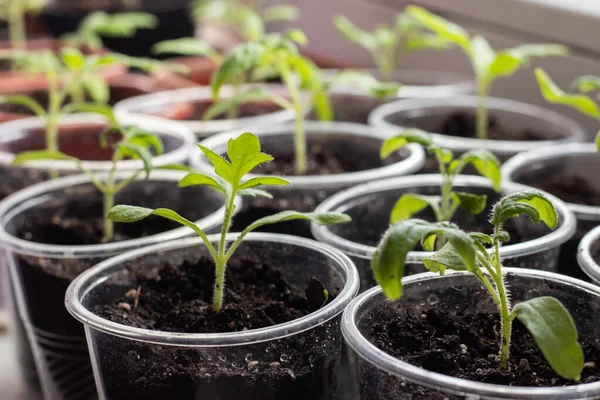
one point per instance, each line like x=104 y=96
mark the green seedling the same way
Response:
x=246 y=19
x=546 y=318
x=100 y=24
x=278 y=55
x=135 y=144
x=445 y=205
x=388 y=45
x=188 y=46
x=488 y=64
x=71 y=76
x=581 y=101
x=14 y=12
x=244 y=155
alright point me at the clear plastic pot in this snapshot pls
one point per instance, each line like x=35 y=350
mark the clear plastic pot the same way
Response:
x=384 y=377
x=181 y=104
x=305 y=192
x=587 y=254
x=370 y=205
x=312 y=344
x=575 y=159
x=42 y=267
x=431 y=114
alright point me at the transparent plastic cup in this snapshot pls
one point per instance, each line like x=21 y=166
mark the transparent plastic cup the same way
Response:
x=579 y=159
x=384 y=377
x=587 y=255
x=430 y=114
x=370 y=205
x=41 y=270
x=179 y=105
x=241 y=358
x=361 y=141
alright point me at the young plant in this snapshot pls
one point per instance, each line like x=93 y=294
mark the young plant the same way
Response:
x=581 y=101
x=445 y=205
x=101 y=24
x=244 y=155
x=246 y=19
x=546 y=318
x=135 y=143
x=278 y=55
x=388 y=45
x=14 y=12
x=488 y=64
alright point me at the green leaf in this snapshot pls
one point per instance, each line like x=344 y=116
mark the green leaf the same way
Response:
x=392 y=144
x=264 y=181
x=241 y=59
x=389 y=258
x=280 y=12
x=442 y=27
x=328 y=218
x=97 y=87
x=482 y=56
x=141 y=137
x=353 y=33
x=184 y=46
x=473 y=203
x=72 y=58
x=25 y=101
x=253 y=26
x=445 y=258
x=534 y=204
x=36 y=155
x=486 y=163
x=136 y=151
x=509 y=61
x=246 y=96
x=555 y=333
x=482 y=237
x=95 y=108
x=423 y=41
x=587 y=83
x=195 y=179
x=410 y=204
x=252 y=192
x=553 y=94
x=366 y=83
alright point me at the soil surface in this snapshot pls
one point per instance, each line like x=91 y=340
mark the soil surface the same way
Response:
x=466 y=346
x=570 y=188
x=178 y=298
x=251 y=109
x=464 y=125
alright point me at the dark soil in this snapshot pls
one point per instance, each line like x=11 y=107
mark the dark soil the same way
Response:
x=178 y=298
x=466 y=346
x=464 y=125
x=351 y=108
x=246 y=110
x=571 y=189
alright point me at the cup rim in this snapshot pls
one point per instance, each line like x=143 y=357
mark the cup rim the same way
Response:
x=151 y=123
x=575 y=131
x=26 y=198
x=512 y=166
x=369 y=352
x=131 y=106
x=413 y=163
x=81 y=286
x=565 y=230
x=584 y=255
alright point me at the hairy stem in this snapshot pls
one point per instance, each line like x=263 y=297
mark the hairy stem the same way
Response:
x=299 y=134
x=16 y=24
x=482 y=117
x=109 y=200
x=504 y=307
x=221 y=259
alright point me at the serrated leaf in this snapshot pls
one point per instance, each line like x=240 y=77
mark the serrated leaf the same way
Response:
x=195 y=179
x=473 y=203
x=389 y=258
x=366 y=83
x=486 y=163
x=553 y=94
x=184 y=46
x=36 y=155
x=241 y=59
x=264 y=181
x=442 y=27
x=534 y=204
x=328 y=218
x=392 y=144
x=410 y=204
x=555 y=333
x=445 y=258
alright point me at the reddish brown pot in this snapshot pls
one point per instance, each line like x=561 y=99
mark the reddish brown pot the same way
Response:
x=200 y=72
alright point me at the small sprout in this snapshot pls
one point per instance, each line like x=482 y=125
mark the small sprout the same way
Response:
x=278 y=55
x=546 y=318
x=135 y=144
x=247 y=19
x=388 y=45
x=244 y=155
x=488 y=64
x=580 y=102
x=447 y=204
